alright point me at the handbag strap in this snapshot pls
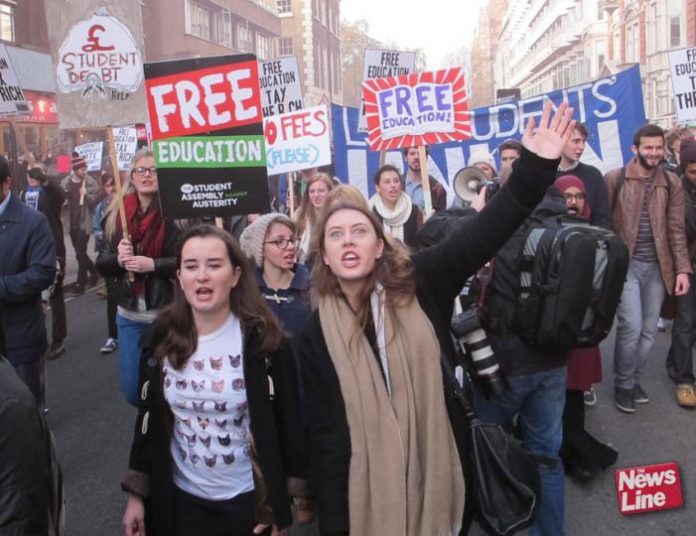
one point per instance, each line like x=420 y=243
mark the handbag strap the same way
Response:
x=459 y=392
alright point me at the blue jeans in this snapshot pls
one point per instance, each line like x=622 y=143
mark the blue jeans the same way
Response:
x=637 y=314
x=539 y=399
x=129 y=333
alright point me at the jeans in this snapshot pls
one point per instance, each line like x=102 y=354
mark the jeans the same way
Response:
x=79 y=240
x=539 y=399
x=636 y=324
x=129 y=333
x=233 y=517
x=684 y=336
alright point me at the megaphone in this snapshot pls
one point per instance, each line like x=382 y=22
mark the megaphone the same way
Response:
x=468 y=182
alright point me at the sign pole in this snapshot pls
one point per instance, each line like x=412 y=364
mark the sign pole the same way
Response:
x=291 y=194
x=425 y=181
x=382 y=158
x=218 y=223
x=119 y=188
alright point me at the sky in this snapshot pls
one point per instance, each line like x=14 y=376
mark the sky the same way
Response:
x=436 y=26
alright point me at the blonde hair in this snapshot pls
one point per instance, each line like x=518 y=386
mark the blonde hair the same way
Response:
x=307 y=214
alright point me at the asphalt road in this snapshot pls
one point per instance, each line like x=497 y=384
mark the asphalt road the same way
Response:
x=93 y=426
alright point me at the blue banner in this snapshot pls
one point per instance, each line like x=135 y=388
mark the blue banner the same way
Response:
x=611 y=108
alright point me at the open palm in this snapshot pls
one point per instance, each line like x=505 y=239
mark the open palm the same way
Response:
x=548 y=139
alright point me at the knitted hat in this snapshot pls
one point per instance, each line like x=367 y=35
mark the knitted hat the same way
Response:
x=482 y=157
x=687 y=153
x=77 y=161
x=253 y=236
x=571 y=181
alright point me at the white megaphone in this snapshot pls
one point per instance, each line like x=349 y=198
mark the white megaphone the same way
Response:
x=468 y=182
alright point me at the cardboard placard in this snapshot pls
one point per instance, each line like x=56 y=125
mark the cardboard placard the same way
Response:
x=126 y=144
x=297 y=140
x=92 y=152
x=12 y=99
x=207 y=128
x=281 y=88
x=682 y=69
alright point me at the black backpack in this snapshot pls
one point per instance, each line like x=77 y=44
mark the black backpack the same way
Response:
x=571 y=275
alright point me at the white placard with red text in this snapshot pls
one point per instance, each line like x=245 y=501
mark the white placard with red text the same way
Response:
x=297 y=140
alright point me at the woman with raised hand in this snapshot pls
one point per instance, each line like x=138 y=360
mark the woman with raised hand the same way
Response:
x=218 y=444
x=386 y=441
x=318 y=187
x=139 y=265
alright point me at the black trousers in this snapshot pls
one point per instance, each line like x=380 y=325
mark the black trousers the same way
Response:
x=111 y=316
x=79 y=240
x=59 y=326
x=680 y=355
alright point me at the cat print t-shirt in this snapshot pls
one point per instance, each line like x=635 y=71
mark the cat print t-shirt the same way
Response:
x=210 y=445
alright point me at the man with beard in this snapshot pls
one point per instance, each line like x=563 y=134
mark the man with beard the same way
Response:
x=413 y=184
x=648 y=215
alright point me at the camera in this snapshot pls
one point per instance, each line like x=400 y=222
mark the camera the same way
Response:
x=473 y=342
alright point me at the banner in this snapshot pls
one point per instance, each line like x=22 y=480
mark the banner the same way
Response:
x=92 y=152
x=682 y=69
x=207 y=127
x=417 y=109
x=12 y=99
x=611 y=108
x=281 y=89
x=384 y=64
x=98 y=60
x=297 y=140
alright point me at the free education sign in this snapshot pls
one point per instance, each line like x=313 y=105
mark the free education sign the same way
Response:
x=417 y=109
x=207 y=127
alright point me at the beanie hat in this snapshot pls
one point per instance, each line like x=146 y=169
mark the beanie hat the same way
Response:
x=687 y=154
x=77 y=161
x=569 y=181
x=482 y=157
x=252 y=238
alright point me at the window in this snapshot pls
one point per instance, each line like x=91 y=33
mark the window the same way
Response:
x=223 y=28
x=264 y=47
x=675 y=31
x=317 y=61
x=284 y=7
x=200 y=21
x=285 y=47
x=243 y=38
x=7 y=29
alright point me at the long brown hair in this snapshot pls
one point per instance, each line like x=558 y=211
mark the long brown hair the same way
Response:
x=246 y=303
x=307 y=213
x=393 y=269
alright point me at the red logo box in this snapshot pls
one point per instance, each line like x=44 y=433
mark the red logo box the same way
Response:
x=649 y=488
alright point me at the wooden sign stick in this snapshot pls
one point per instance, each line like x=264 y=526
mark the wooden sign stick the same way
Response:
x=382 y=158
x=425 y=181
x=291 y=194
x=218 y=223
x=119 y=189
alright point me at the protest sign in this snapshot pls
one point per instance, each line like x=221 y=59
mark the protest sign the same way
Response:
x=92 y=152
x=99 y=61
x=126 y=144
x=682 y=67
x=297 y=140
x=281 y=89
x=207 y=127
x=12 y=99
x=649 y=488
x=384 y=64
x=611 y=108
x=417 y=109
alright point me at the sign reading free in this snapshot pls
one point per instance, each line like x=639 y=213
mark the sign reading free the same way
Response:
x=417 y=109
x=649 y=488
x=207 y=128
x=297 y=140
x=683 y=73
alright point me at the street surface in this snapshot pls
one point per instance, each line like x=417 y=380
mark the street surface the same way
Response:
x=93 y=427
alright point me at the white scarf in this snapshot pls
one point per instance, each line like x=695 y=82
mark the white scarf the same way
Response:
x=393 y=220
x=305 y=244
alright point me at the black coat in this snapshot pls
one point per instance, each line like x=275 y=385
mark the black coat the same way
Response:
x=275 y=425
x=440 y=273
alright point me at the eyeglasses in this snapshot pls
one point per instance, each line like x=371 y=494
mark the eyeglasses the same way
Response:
x=283 y=243
x=577 y=197
x=142 y=170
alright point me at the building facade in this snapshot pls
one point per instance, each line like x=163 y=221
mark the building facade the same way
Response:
x=483 y=53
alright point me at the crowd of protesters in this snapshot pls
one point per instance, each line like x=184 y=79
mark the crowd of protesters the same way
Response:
x=277 y=364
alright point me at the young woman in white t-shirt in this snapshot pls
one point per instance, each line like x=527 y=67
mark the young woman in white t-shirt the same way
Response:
x=218 y=433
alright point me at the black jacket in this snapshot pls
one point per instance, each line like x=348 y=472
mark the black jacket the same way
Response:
x=440 y=273
x=275 y=425
x=159 y=289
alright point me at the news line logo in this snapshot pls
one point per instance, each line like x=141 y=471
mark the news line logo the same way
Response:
x=649 y=488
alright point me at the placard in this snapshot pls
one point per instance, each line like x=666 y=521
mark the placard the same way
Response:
x=682 y=68
x=12 y=99
x=418 y=109
x=281 y=88
x=126 y=144
x=297 y=140
x=207 y=127
x=92 y=152
x=649 y=488
x=384 y=64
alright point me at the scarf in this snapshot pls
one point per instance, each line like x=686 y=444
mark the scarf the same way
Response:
x=305 y=244
x=146 y=234
x=405 y=472
x=393 y=221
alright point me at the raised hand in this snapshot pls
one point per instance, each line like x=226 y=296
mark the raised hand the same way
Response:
x=548 y=139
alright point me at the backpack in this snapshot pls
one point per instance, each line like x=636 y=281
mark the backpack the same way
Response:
x=571 y=275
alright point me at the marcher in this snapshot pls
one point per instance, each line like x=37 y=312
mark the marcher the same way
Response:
x=413 y=184
x=317 y=188
x=27 y=266
x=109 y=186
x=387 y=448
x=218 y=445
x=485 y=162
x=400 y=218
x=509 y=151
x=81 y=192
x=149 y=256
x=648 y=215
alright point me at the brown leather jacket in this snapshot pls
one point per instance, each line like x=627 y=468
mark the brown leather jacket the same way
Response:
x=666 y=208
